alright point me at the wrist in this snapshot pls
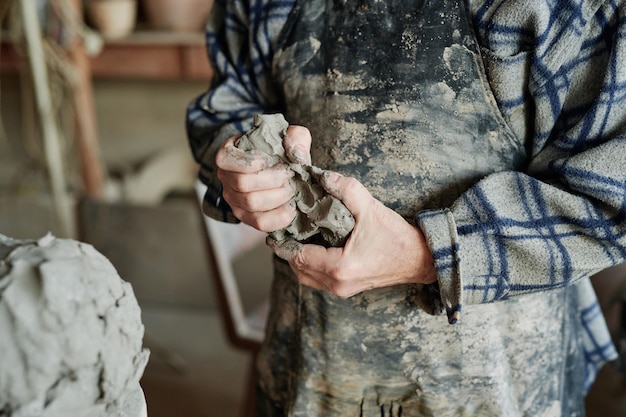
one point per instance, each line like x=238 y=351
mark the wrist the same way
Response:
x=427 y=273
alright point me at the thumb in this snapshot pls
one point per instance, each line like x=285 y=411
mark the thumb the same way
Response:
x=297 y=144
x=348 y=190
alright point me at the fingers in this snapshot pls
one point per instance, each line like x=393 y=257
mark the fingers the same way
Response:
x=257 y=187
x=265 y=179
x=349 y=191
x=231 y=158
x=262 y=200
x=288 y=249
x=301 y=258
x=297 y=144
x=316 y=266
x=267 y=221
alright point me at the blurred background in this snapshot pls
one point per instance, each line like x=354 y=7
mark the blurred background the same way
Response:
x=112 y=155
x=93 y=147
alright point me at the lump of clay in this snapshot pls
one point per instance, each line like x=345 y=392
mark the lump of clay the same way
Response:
x=318 y=213
x=71 y=333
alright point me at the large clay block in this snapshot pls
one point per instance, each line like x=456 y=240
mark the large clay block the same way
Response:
x=320 y=217
x=72 y=336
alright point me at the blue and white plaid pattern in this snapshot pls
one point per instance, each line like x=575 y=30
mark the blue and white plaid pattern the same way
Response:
x=597 y=348
x=558 y=73
x=239 y=43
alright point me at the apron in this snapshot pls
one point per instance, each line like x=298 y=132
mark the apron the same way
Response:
x=395 y=95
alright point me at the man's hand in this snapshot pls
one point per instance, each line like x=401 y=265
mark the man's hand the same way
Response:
x=258 y=186
x=383 y=249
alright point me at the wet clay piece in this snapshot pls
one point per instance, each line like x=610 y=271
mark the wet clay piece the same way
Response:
x=71 y=341
x=321 y=218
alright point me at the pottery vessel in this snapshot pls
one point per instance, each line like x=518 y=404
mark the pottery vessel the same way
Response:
x=177 y=15
x=112 y=18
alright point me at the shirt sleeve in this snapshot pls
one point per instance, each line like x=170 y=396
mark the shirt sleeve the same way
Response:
x=564 y=218
x=239 y=40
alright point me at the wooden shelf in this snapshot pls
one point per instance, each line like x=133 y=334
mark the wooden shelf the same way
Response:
x=143 y=55
x=146 y=55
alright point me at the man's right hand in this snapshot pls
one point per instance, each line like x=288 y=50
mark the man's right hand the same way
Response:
x=257 y=186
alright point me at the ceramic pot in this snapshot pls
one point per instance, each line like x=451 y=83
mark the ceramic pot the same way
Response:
x=177 y=15
x=112 y=18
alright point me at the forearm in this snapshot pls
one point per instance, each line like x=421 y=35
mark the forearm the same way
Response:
x=563 y=218
x=512 y=234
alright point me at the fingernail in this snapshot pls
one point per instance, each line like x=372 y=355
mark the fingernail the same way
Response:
x=331 y=177
x=294 y=153
x=297 y=155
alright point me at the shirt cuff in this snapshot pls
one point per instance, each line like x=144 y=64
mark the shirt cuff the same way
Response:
x=440 y=231
x=213 y=204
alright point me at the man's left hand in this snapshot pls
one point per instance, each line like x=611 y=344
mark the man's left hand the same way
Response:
x=383 y=249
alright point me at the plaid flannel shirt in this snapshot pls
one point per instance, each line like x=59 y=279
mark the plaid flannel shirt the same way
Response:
x=558 y=71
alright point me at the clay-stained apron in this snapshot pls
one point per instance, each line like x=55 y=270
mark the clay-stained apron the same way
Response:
x=394 y=94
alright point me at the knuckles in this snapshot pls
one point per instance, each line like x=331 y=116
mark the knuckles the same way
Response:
x=344 y=279
x=268 y=222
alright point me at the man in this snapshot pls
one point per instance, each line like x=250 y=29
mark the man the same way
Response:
x=481 y=148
